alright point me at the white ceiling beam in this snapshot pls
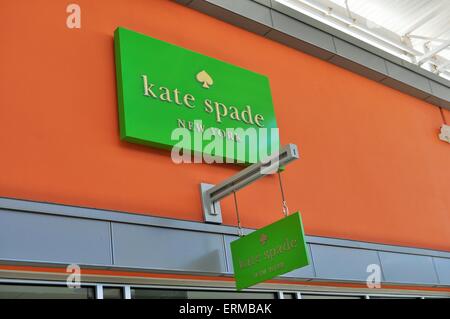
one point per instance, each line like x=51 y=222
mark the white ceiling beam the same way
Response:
x=340 y=16
x=433 y=52
x=421 y=21
x=443 y=66
x=443 y=32
x=351 y=23
x=420 y=37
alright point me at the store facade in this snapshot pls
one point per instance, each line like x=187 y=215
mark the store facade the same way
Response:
x=371 y=182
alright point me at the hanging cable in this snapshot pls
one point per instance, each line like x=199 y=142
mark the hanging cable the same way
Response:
x=240 y=231
x=284 y=203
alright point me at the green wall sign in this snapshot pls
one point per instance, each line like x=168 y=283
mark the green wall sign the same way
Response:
x=162 y=87
x=269 y=252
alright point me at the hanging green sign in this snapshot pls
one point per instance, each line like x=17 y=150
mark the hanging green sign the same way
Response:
x=269 y=252
x=226 y=110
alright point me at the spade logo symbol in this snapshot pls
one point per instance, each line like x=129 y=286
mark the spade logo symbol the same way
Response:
x=205 y=79
x=263 y=239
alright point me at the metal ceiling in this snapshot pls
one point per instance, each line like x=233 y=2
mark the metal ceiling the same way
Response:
x=415 y=30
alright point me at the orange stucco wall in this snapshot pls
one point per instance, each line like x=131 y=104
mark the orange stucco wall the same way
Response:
x=372 y=167
x=447 y=116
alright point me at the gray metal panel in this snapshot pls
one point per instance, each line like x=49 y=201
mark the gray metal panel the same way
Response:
x=438 y=102
x=406 y=78
x=357 y=68
x=46 y=238
x=227 y=240
x=442 y=93
x=183 y=2
x=167 y=249
x=363 y=57
x=404 y=268
x=298 y=44
x=303 y=32
x=246 y=14
x=108 y=215
x=443 y=270
x=405 y=88
x=162 y=244
x=375 y=246
x=140 y=219
x=303 y=273
x=264 y=2
x=340 y=263
x=359 y=61
x=417 y=69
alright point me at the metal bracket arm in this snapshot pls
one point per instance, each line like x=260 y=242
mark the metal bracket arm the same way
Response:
x=212 y=194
